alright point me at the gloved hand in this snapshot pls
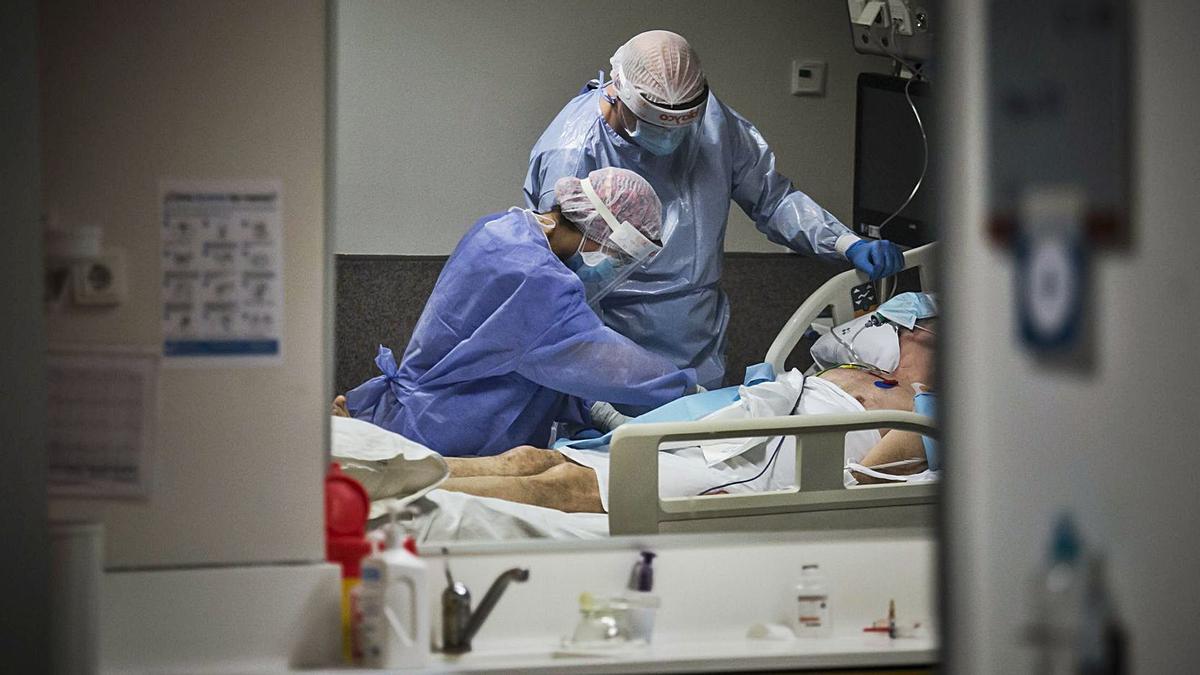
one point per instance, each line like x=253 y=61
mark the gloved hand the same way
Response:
x=605 y=417
x=878 y=257
x=925 y=403
x=698 y=390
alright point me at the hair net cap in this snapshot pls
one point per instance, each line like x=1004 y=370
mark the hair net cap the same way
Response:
x=657 y=74
x=630 y=198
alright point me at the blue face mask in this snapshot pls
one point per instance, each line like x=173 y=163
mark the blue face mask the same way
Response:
x=660 y=141
x=598 y=280
x=597 y=274
x=657 y=140
x=906 y=308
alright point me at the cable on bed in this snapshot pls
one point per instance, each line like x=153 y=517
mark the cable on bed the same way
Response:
x=774 y=453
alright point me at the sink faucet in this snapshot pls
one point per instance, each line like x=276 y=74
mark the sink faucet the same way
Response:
x=459 y=624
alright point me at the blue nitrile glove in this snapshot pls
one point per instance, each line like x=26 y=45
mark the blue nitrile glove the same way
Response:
x=878 y=258
x=925 y=403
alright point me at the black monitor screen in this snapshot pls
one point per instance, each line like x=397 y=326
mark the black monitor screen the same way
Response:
x=888 y=154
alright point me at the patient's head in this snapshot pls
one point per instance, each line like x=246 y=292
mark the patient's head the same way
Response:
x=917 y=347
x=924 y=335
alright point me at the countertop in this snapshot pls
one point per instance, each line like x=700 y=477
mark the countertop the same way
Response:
x=867 y=651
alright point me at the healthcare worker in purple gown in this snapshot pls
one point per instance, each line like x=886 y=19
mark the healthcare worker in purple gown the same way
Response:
x=507 y=343
x=658 y=117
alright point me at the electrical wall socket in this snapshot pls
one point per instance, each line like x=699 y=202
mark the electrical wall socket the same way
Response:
x=99 y=281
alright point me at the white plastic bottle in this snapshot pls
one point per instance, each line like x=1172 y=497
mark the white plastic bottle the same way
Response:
x=812 y=615
x=643 y=603
x=1059 y=598
x=392 y=607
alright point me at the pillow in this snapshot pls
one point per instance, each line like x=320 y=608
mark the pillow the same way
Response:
x=874 y=344
x=390 y=467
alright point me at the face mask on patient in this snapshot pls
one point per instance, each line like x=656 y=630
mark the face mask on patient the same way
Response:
x=905 y=309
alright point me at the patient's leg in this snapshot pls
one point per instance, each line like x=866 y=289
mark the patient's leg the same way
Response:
x=566 y=486
x=524 y=460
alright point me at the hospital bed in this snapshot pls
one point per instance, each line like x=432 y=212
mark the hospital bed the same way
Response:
x=635 y=506
x=821 y=500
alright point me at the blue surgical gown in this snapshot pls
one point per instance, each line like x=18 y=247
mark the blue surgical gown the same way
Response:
x=506 y=346
x=674 y=306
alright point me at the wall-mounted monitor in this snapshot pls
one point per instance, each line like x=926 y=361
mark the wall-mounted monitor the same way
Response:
x=889 y=152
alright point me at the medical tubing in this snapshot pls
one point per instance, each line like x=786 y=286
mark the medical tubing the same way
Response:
x=886 y=287
x=853 y=352
x=920 y=125
x=774 y=454
x=924 y=154
x=896 y=57
x=850 y=346
x=890 y=465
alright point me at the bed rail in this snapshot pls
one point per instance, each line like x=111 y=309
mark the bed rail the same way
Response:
x=836 y=293
x=821 y=499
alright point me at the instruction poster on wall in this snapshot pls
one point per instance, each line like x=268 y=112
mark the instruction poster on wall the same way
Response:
x=222 y=272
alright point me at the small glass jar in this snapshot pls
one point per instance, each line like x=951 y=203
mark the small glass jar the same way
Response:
x=601 y=620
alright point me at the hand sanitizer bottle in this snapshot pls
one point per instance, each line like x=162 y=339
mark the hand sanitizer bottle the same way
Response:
x=393 y=605
x=812 y=616
x=643 y=603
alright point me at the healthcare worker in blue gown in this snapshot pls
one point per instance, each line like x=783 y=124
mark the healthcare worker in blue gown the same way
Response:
x=507 y=343
x=658 y=117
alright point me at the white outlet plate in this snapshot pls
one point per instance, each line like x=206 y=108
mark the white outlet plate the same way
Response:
x=808 y=77
x=99 y=281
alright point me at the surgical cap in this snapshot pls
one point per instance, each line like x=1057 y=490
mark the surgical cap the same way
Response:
x=626 y=194
x=660 y=65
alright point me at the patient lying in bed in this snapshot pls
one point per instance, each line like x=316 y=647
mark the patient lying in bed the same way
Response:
x=577 y=481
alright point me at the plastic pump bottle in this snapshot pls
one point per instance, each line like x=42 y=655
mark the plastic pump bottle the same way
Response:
x=812 y=615
x=1077 y=630
x=392 y=618
x=1058 y=595
x=643 y=603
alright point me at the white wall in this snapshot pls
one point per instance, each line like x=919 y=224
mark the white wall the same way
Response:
x=1116 y=446
x=439 y=103
x=138 y=90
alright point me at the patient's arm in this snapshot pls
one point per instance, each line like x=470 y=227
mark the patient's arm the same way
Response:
x=894 y=446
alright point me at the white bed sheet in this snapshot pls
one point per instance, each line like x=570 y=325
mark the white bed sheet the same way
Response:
x=456 y=516
x=686 y=468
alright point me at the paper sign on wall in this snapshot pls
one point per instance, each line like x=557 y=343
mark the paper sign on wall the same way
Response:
x=222 y=272
x=101 y=415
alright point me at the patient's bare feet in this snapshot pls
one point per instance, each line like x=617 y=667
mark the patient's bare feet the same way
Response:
x=339 y=407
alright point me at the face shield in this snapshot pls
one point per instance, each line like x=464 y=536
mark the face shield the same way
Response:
x=616 y=255
x=654 y=125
